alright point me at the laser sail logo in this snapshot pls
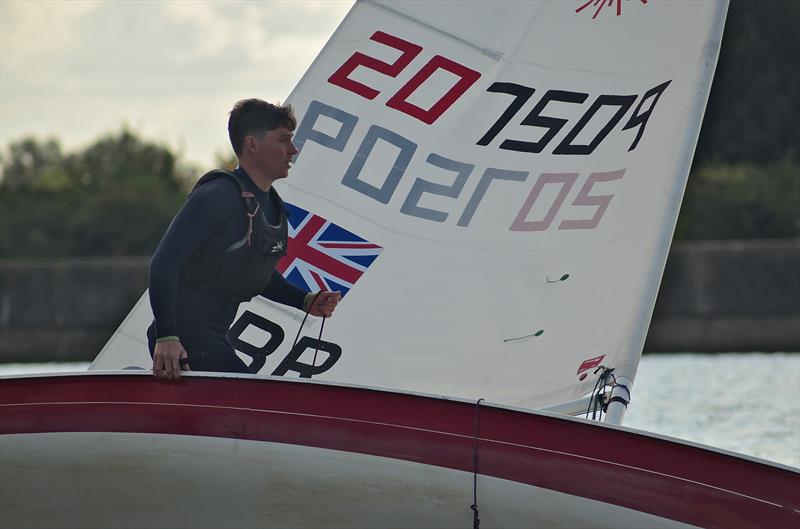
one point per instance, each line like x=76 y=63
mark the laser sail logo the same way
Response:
x=600 y=4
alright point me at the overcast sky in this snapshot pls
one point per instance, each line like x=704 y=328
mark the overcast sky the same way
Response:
x=170 y=70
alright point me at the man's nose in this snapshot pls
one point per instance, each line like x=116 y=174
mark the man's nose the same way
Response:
x=292 y=148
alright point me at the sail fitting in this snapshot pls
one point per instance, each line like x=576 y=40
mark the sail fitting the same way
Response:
x=619 y=398
x=610 y=395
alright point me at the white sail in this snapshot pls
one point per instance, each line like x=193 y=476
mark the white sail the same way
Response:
x=494 y=185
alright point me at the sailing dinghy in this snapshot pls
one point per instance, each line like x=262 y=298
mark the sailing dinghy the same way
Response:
x=493 y=188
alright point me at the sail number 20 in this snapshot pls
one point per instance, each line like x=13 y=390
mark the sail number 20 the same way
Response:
x=399 y=101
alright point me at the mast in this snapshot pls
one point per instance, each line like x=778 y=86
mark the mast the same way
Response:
x=625 y=372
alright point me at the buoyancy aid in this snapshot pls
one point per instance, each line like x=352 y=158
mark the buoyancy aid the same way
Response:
x=244 y=269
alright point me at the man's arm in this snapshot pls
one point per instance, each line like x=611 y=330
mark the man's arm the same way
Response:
x=281 y=291
x=207 y=208
x=321 y=303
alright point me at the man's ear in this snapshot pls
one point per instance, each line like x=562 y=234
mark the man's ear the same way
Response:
x=250 y=143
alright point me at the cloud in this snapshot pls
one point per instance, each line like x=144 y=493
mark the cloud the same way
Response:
x=30 y=31
x=76 y=69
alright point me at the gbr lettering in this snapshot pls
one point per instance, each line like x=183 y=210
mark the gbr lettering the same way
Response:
x=593 y=206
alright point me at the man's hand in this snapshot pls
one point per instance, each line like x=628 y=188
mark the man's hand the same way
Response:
x=166 y=360
x=325 y=303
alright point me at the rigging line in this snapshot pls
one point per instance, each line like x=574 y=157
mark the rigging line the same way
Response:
x=623 y=400
x=299 y=330
x=592 y=396
x=319 y=338
x=489 y=52
x=600 y=403
x=308 y=311
x=596 y=401
x=476 y=521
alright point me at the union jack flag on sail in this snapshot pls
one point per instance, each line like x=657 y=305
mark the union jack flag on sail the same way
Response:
x=322 y=255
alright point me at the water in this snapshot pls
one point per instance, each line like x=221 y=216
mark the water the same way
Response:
x=746 y=403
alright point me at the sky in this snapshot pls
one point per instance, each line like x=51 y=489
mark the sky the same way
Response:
x=169 y=70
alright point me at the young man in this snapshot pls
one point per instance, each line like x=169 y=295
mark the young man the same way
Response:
x=222 y=248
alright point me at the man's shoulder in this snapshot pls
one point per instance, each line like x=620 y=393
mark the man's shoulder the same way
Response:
x=221 y=184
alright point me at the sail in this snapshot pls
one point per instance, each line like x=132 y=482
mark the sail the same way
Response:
x=492 y=185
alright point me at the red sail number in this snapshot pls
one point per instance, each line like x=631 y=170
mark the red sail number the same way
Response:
x=340 y=76
x=399 y=101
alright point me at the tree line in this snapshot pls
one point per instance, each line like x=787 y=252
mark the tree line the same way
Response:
x=118 y=195
x=115 y=197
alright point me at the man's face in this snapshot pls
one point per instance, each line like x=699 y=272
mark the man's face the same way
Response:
x=274 y=152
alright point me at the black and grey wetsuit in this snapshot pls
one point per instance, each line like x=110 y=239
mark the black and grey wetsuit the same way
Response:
x=221 y=249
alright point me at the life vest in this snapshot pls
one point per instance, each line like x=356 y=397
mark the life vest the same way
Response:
x=244 y=269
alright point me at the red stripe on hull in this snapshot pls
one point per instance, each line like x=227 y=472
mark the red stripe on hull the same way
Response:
x=653 y=475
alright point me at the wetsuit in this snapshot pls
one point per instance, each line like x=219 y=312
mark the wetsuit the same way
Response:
x=213 y=219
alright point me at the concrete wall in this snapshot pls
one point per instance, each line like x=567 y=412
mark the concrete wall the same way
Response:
x=65 y=309
x=729 y=296
x=715 y=296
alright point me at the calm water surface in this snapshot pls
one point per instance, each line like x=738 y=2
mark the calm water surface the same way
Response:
x=746 y=403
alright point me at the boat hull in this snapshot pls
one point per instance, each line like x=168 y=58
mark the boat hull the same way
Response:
x=122 y=449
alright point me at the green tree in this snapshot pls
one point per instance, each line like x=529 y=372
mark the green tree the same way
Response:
x=741 y=201
x=755 y=102
x=34 y=163
x=116 y=197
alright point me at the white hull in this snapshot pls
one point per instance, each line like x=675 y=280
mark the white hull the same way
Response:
x=124 y=450
x=112 y=479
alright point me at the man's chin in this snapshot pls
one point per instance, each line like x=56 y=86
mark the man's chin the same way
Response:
x=281 y=175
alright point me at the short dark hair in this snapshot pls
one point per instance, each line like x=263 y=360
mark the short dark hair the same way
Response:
x=251 y=117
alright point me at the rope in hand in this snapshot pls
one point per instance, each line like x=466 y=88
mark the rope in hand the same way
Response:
x=476 y=522
x=321 y=327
